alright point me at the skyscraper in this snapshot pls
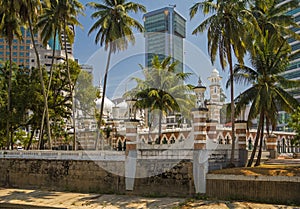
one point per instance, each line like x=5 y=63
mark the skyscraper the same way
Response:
x=293 y=71
x=165 y=31
x=20 y=49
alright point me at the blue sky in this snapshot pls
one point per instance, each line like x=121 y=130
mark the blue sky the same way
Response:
x=125 y=65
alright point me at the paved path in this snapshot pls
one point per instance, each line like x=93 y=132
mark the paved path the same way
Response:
x=34 y=199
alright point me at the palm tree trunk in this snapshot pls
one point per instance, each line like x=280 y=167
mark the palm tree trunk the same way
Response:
x=257 y=163
x=70 y=86
x=49 y=83
x=9 y=141
x=43 y=87
x=159 y=125
x=232 y=107
x=104 y=89
x=30 y=140
x=261 y=119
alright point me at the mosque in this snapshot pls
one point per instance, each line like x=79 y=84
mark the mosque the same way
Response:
x=116 y=112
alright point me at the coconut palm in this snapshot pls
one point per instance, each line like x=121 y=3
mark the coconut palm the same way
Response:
x=266 y=94
x=163 y=90
x=29 y=11
x=113 y=28
x=225 y=36
x=10 y=27
x=272 y=17
x=59 y=17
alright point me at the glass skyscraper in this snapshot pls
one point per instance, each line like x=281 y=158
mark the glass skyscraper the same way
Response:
x=164 y=33
x=293 y=71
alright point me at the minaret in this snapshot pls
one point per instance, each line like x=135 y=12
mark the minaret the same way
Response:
x=199 y=91
x=215 y=104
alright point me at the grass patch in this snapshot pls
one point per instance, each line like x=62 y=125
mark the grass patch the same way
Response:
x=263 y=170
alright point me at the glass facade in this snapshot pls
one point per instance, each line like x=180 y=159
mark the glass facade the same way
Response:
x=165 y=31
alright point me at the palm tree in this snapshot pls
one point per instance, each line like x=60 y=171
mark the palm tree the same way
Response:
x=29 y=11
x=266 y=95
x=10 y=26
x=114 y=29
x=272 y=17
x=58 y=18
x=163 y=90
x=225 y=35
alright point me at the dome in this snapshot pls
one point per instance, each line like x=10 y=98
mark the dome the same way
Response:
x=215 y=73
x=108 y=104
x=122 y=105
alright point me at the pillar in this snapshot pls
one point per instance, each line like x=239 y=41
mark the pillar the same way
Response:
x=199 y=127
x=240 y=130
x=201 y=155
x=241 y=135
x=131 y=134
x=131 y=153
x=272 y=145
x=212 y=129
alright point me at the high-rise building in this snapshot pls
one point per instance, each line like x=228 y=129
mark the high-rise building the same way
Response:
x=293 y=71
x=165 y=30
x=20 y=49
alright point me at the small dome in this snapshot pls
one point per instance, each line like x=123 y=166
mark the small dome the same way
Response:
x=108 y=104
x=215 y=73
x=122 y=105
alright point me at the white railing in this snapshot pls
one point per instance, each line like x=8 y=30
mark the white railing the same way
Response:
x=63 y=155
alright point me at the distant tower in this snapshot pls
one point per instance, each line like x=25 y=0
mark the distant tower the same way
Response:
x=165 y=30
x=215 y=104
x=200 y=90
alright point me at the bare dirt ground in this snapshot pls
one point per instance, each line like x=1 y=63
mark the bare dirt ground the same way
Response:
x=20 y=198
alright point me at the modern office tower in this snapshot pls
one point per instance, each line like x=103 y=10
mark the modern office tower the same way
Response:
x=293 y=71
x=165 y=31
x=20 y=49
x=23 y=53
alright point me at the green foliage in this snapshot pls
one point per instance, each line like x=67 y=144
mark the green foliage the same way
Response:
x=85 y=93
x=163 y=91
x=294 y=123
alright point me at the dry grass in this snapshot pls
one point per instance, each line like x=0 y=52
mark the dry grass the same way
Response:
x=263 y=170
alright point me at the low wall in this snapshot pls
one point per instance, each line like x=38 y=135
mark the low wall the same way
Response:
x=62 y=175
x=90 y=176
x=273 y=189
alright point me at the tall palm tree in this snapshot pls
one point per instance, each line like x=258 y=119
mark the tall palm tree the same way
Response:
x=29 y=11
x=163 y=89
x=225 y=36
x=10 y=27
x=59 y=17
x=272 y=17
x=113 y=28
x=266 y=94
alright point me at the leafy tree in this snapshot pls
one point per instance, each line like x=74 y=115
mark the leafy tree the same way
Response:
x=114 y=29
x=266 y=95
x=59 y=17
x=225 y=34
x=294 y=123
x=163 y=90
x=85 y=94
x=10 y=27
